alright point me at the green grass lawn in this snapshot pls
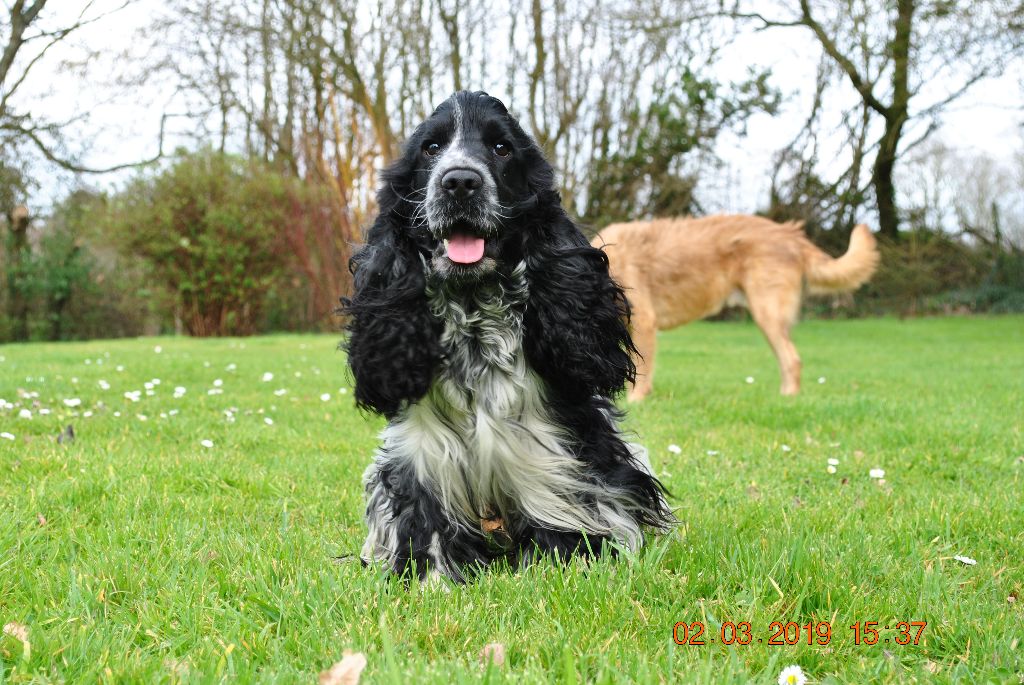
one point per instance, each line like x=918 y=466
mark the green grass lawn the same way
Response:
x=137 y=554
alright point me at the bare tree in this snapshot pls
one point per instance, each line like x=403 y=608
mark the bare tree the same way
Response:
x=905 y=60
x=27 y=37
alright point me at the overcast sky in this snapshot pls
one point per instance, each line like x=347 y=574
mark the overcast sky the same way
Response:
x=123 y=122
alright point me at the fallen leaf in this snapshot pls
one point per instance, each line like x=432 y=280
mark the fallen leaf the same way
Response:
x=346 y=671
x=19 y=632
x=493 y=653
x=179 y=668
x=41 y=519
x=753 y=492
x=492 y=525
x=932 y=667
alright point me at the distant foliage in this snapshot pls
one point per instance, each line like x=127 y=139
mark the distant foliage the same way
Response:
x=214 y=232
x=71 y=287
x=650 y=160
x=929 y=273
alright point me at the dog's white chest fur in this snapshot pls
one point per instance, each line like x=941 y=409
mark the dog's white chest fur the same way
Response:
x=482 y=438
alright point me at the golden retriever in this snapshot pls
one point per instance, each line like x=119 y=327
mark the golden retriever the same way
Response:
x=679 y=270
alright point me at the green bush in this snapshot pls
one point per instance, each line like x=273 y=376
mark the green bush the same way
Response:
x=211 y=229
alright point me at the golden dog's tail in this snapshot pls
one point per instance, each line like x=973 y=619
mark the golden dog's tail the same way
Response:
x=836 y=275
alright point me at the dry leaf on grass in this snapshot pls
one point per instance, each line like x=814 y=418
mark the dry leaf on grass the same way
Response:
x=19 y=632
x=494 y=653
x=346 y=671
x=492 y=525
x=40 y=519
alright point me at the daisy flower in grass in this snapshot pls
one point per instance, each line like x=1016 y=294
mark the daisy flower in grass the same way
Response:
x=675 y=449
x=877 y=473
x=792 y=675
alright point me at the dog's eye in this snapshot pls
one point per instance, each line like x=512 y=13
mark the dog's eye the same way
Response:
x=502 y=149
x=431 y=149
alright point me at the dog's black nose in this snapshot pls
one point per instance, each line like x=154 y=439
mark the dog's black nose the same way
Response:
x=461 y=183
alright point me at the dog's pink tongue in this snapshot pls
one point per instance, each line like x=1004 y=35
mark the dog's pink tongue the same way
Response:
x=465 y=249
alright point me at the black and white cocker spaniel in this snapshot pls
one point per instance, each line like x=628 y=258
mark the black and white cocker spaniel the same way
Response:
x=487 y=330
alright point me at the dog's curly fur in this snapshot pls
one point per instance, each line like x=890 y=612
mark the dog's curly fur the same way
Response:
x=495 y=377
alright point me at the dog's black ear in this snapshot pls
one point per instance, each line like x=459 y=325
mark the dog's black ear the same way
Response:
x=577 y=330
x=393 y=341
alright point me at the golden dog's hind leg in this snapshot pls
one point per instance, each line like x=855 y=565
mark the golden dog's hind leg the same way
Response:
x=644 y=337
x=775 y=311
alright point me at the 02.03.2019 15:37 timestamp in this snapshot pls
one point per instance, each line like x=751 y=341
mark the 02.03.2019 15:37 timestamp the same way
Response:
x=792 y=633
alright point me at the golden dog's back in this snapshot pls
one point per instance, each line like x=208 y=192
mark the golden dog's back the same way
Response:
x=687 y=269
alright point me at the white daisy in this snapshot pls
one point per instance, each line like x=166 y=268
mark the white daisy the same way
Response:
x=280 y=391
x=231 y=367
x=179 y=392
x=43 y=411
x=218 y=383
x=72 y=402
x=750 y=379
x=269 y=421
x=787 y=448
x=25 y=414
x=965 y=560
x=831 y=469
x=821 y=380
x=342 y=391
x=792 y=675
x=877 y=473
x=675 y=449
x=7 y=436
x=267 y=377
x=158 y=349
x=120 y=368
x=325 y=397
x=206 y=443
x=833 y=462
x=87 y=414
x=104 y=385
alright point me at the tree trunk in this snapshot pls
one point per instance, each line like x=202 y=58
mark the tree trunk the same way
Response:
x=17 y=298
x=881 y=179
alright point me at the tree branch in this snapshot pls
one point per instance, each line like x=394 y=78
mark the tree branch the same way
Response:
x=32 y=134
x=862 y=86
